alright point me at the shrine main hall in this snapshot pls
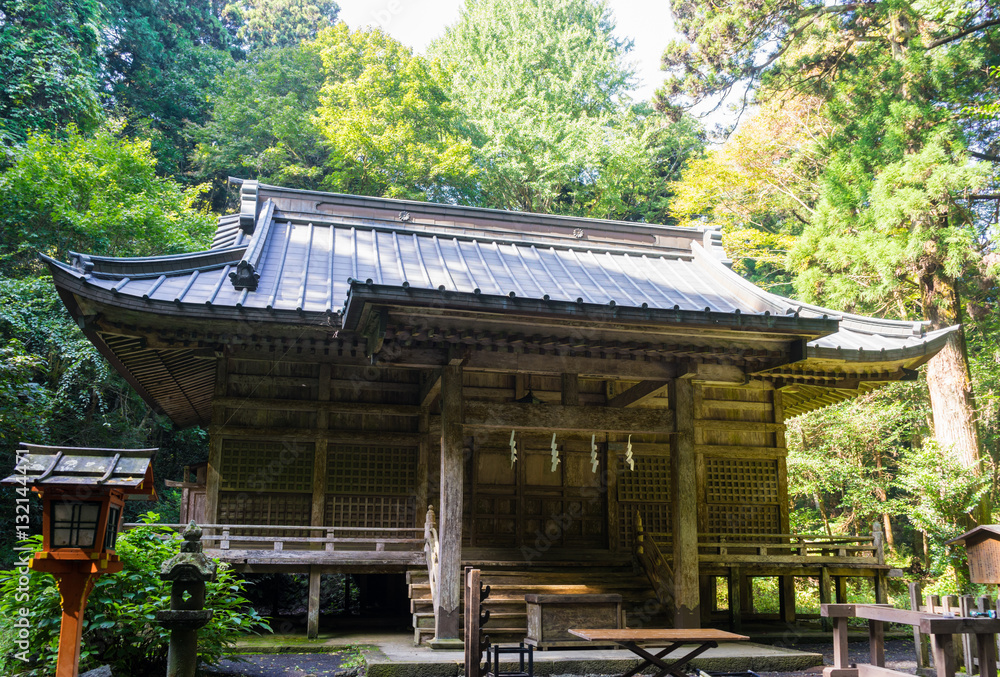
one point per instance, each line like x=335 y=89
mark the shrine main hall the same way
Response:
x=397 y=389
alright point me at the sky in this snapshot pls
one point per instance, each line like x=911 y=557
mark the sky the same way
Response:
x=416 y=23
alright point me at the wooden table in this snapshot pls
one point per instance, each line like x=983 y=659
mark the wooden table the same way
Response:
x=635 y=640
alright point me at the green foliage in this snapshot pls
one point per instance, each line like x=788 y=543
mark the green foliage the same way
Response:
x=545 y=85
x=92 y=194
x=49 y=60
x=162 y=61
x=55 y=388
x=262 y=123
x=119 y=625
x=280 y=23
x=843 y=460
x=542 y=81
x=852 y=464
x=391 y=129
x=941 y=492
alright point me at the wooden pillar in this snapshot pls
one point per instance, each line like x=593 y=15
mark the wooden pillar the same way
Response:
x=423 y=461
x=876 y=643
x=687 y=613
x=787 y=598
x=708 y=597
x=943 y=650
x=840 y=589
x=824 y=593
x=841 y=657
x=74 y=588
x=312 y=615
x=447 y=611
x=318 y=512
x=919 y=640
x=735 y=599
x=212 y=477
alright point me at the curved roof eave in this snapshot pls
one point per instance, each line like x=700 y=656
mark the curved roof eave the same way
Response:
x=858 y=339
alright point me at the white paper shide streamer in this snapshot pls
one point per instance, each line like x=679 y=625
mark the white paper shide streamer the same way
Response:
x=513 y=449
x=593 y=453
x=555 y=453
x=628 y=454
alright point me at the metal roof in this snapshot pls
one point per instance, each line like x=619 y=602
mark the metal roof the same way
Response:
x=299 y=252
x=45 y=466
x=309 y=267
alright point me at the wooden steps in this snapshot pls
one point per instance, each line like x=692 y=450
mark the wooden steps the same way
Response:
x=508 y=586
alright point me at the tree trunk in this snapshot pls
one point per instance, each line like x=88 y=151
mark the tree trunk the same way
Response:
x=881 y=495
x=949 y=381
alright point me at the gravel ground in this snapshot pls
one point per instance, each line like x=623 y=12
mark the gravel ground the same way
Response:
x=899 y=655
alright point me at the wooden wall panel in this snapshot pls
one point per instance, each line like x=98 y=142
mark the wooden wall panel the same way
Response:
x=645 y=490
x=742 y=489
x=266 y=465
x=242 y=507
x=529 y=503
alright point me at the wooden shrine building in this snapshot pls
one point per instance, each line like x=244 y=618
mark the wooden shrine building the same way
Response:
x=565 y=394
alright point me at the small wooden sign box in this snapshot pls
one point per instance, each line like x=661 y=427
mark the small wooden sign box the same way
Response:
x=551 y=616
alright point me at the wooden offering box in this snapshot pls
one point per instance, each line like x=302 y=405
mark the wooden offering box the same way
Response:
x=551 y=616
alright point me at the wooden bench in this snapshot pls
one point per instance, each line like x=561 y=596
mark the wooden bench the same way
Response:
x=940 y=628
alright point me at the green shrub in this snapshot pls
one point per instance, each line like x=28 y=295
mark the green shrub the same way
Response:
x=120 y=627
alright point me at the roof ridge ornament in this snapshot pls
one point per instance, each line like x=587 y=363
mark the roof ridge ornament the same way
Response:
x=245 y=276
x=249 y=206
x=712 y=242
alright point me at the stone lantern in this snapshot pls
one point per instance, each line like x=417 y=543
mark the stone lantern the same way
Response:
x=83 y=492
x=188 y=571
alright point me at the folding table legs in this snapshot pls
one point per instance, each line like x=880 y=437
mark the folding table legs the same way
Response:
x=674 y=668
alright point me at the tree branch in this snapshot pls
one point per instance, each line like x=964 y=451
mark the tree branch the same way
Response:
x=984 y=156
x=961 y=34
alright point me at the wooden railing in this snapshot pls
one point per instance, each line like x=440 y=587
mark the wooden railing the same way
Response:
x=787 y=548
x=432 y=553
x=298 y=538
x=656 y=566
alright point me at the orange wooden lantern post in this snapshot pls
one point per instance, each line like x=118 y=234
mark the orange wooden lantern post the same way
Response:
x=83 y=492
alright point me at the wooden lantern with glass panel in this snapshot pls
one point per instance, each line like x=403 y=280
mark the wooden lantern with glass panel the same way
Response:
x=83 y=494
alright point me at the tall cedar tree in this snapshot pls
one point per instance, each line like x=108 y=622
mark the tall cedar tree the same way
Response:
x=892 y=225
x=545 y=82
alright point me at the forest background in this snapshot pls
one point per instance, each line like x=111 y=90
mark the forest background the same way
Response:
x=863 y=176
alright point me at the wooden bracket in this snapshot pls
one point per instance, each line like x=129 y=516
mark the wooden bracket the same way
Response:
x=373 y=331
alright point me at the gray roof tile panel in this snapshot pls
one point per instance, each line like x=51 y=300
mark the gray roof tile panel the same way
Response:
x=307 y=265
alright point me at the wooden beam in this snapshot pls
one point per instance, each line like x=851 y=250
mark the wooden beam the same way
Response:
x=430 y=389
x=715 y=373
x=333 y=436
x=640 y=392
x=447 y=611
x=683 y=466
x=742 y=426
x=555 y=417
x=273 y=404
x=556 y=365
